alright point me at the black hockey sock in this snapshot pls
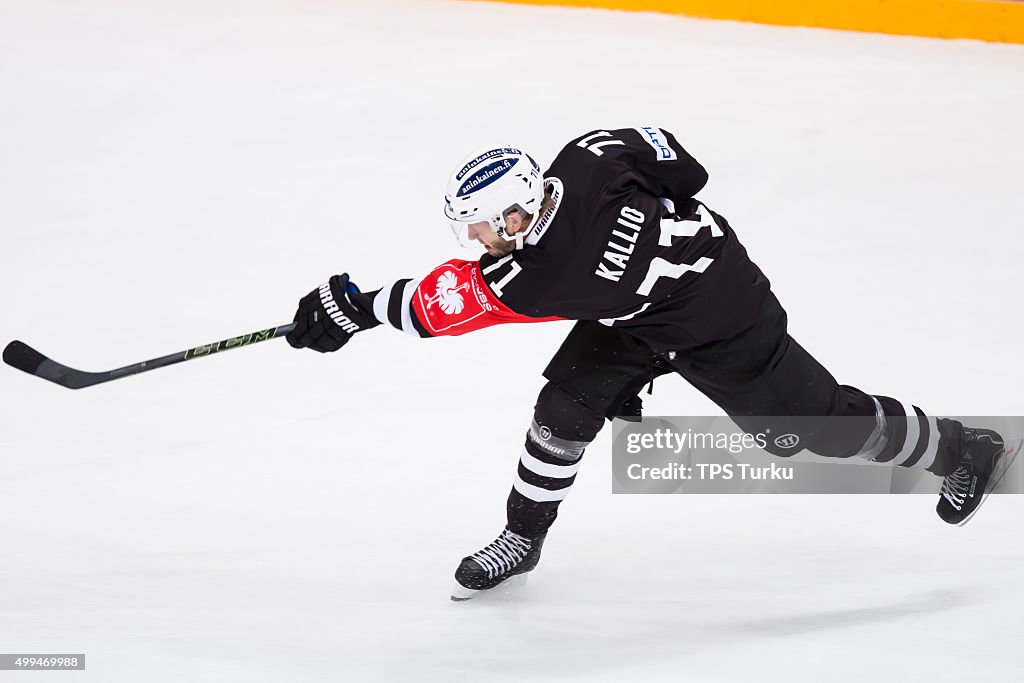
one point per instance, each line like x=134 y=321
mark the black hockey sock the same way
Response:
x=909 y=438
x=546 y=472
x=560 y=431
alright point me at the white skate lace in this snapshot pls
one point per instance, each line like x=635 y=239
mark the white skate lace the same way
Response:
x=502 y=554
x=955 y=487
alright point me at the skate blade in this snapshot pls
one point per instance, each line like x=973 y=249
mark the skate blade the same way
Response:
x=460 y=593
x=1002 y=468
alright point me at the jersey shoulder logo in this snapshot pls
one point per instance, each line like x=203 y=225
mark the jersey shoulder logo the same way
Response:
x=460 y=301
x=657 y=139
x=446 y=294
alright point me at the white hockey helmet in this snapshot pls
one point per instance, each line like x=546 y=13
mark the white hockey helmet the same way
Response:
x=487 y=185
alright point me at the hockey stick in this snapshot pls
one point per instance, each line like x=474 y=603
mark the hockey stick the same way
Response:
x=23 y=357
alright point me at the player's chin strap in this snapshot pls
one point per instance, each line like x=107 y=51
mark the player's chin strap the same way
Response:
x=519 y=238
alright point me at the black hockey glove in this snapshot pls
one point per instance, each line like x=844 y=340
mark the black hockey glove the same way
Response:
x=328 y=316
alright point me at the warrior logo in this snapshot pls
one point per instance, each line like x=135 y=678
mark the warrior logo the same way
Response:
x=447 y=295
x=787 y=441
x=332 y=309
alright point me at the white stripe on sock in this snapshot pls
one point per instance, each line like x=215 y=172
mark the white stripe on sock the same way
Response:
x=546 y=469
x=538 y=494
x=913 y=434
x=928 y=459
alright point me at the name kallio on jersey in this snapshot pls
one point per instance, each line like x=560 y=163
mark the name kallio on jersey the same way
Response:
x=621 y=245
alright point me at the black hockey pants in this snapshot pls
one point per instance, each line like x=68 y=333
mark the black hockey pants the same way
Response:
x=762 y=378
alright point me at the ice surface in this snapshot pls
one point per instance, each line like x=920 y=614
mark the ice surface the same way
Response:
x=178 y=172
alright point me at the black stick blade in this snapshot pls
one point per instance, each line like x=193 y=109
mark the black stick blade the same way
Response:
x=23 y=357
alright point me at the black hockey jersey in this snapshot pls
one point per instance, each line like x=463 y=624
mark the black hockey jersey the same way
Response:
x=625 y=244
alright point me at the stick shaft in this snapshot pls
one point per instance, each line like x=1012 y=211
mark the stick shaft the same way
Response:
x=201 y=351
x=23 y=357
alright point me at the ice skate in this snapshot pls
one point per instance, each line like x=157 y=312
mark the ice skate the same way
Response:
x=985 y=460
x=507 y=556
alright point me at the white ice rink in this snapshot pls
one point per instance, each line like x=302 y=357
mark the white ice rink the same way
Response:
x=177 y=172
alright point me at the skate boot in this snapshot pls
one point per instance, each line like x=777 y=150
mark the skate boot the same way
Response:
x=508 y=555
x=965 y=489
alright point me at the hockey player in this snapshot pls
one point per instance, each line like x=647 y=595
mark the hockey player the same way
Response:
x=611 y=236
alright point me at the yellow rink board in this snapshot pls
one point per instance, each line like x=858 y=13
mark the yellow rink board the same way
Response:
x=992 y=20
